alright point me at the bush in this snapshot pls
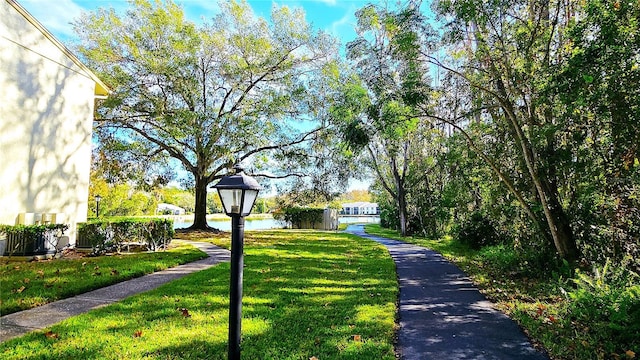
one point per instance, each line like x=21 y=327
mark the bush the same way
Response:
x=389 y=217
x=477 y=231
x=299 y=216
x=32 y=239
x=608 y=300
x=518 y=261
x=113 y=235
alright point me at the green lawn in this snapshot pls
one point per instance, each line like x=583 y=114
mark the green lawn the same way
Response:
x=25 y=285
x=306 y=294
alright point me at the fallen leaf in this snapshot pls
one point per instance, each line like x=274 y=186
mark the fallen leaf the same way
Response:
x=185 y=312
x=20 y=290
x=41 y=273
x=16 y=267
x=313 y=358
x=137 y=334
x=630 y=354
x=115 y=272
x=84 y=263
x=51 y=335
x=26 y=280
x=357 y=338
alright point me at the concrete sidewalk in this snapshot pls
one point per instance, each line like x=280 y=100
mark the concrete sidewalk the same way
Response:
x=20 y=323
x=442 y=314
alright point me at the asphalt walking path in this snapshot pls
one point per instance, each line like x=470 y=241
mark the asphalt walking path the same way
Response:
x=443 y=315
x=20 y=323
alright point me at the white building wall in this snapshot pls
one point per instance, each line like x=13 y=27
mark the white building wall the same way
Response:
x=46 y=114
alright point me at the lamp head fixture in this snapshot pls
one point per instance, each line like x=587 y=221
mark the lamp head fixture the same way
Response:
x=238 y=192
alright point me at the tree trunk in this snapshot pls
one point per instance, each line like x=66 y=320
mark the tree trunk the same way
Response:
x=402 y=208
x=558 y=222
x=200 y=212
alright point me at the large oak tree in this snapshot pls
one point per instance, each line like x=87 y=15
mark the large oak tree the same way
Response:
x=234 y=88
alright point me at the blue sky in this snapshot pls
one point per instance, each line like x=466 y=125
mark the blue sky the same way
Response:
x=334 y=16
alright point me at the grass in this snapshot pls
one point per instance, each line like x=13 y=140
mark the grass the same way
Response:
x=540 y=304
x=306 y=294
x=29 y=284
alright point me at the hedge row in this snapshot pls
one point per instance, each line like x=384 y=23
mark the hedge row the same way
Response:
x=103 y=236
x=32 y=239
x=299 y=216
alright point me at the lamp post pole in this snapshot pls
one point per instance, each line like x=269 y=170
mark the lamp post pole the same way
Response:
x=98 y=198
x=235 y=292
x=238 y=194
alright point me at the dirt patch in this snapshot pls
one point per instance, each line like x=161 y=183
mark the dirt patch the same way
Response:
x=74 y=254
x=195 y=235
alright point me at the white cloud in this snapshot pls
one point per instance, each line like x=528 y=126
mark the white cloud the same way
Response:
x=199 y=10
x=343 y=28
x=328 y=2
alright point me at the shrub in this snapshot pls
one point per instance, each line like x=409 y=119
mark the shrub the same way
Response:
x=477 y=231
x=608 y=300
x=33 y=239
x=114 y=235
x=512 y=260
x=299 y=216
x=389 y=217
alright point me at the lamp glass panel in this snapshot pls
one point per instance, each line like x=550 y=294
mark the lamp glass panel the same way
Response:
x=231 y=200
x=249 y=199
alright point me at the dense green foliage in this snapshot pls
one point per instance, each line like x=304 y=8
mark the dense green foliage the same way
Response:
x=113 y=235
x=532 y=121
x=477 y=231
x=573 y=316
x=299 y=217
x=29 y=284
x=31 y=230
x=307 y=294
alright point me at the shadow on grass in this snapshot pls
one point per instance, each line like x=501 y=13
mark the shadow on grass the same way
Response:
x=305 y=294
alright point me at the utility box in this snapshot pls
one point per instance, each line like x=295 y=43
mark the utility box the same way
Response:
x=26 y=219
x=45 y=219
x=56 y=218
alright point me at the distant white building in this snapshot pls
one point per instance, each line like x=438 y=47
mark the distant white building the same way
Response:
x=170 y=209
x=360 y=208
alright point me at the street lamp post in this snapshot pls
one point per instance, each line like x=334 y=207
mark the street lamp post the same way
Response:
x=98 y=199
x=238 y=194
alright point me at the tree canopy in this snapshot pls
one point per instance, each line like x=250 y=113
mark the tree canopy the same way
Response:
x=529 y=126
x=235 y=88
